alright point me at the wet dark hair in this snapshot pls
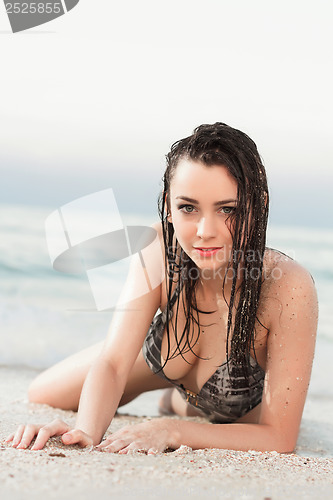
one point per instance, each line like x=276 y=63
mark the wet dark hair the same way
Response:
x=219 y=144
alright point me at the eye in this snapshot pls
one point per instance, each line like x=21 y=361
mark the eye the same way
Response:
x=228 y=210
x=187 y=209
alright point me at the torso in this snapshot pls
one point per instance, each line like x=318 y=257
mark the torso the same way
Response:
x=200 y=375
x=212 y=342
x=209 y=352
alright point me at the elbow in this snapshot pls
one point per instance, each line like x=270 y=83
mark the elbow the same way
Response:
x=288 y=446
x=285 y=448
x=282 y=443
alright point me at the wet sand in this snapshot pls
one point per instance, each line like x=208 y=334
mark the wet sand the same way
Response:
x=63 y=472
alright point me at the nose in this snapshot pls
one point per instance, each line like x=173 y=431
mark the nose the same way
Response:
x=206 y=228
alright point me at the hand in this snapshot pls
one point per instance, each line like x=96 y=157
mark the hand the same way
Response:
x=151 y=437
x=22 y=438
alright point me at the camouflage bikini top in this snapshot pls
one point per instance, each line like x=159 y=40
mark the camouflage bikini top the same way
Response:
x=226 y=396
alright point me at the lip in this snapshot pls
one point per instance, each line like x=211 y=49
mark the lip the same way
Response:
x=207 y=253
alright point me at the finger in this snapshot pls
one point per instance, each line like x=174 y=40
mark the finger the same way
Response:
x=113 y=437
x=43 y=435
x=10 y=438
x=29 y=433
x=18 y=435
x=105 y=442
x=76 y=436
x=58 y=427
x=117 y=445
x=120 y=434
x=153 y=451
x=124 y=451
x=133 y=448
x=55 y=428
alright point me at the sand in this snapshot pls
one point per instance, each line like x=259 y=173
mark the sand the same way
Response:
x=63 y=472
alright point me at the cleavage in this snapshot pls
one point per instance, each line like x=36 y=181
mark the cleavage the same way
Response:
x=193 y=372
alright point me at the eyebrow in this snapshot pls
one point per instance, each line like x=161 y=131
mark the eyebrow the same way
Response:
x=191 y=200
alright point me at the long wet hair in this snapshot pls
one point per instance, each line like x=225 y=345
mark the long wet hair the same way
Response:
x=211 y=145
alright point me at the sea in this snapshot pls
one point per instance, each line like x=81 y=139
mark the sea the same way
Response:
x=46 y=315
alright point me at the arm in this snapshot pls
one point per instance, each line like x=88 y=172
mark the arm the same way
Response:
x=105 y=382
x=107 y=377
x=292 y=322
x=292 y=325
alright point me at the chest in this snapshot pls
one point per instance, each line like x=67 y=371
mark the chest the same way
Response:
x=203 y=348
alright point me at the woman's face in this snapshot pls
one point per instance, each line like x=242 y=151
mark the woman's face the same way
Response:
x=201 y=199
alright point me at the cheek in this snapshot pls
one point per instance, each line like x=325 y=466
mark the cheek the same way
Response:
x=184 y=231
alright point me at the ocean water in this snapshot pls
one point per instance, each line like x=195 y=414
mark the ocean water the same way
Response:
x=46 y=315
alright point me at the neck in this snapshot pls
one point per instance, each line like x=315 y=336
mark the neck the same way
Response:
x=211 y=287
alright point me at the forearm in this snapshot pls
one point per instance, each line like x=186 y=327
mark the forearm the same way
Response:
x=99 y=400
x=240 y=436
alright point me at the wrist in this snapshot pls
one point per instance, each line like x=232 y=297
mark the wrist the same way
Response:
x=173 y=431
x=88 y=432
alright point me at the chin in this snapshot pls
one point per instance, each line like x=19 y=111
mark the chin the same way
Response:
x=216 y=268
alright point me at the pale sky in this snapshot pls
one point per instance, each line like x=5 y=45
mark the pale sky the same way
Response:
x=95 y=98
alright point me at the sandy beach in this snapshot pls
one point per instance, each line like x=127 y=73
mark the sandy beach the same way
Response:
x=64 y=472
x=43 y=319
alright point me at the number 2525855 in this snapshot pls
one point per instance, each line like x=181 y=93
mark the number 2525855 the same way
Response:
x=33 y=8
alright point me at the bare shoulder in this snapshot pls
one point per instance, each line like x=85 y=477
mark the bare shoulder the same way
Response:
x=157 y=226
x=159 y=230
x=280 y=269
x=287 y=285
x=290 y=309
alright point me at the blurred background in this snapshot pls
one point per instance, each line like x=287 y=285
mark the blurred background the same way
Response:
x=95 y=98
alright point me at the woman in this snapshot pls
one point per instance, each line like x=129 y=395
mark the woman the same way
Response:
x=236 y=336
